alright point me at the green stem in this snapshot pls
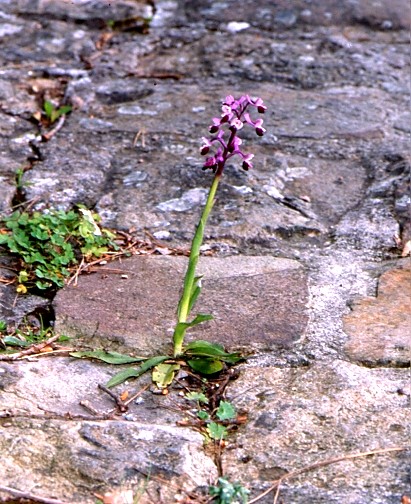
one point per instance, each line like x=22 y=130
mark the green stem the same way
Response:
x=184 y=303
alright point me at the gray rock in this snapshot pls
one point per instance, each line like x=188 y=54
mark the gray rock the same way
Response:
x=71 y=453
x=308 y=243
x=137 y=313
x=354 y=408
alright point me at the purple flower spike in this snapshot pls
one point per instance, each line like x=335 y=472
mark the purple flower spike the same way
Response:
x=233 y=117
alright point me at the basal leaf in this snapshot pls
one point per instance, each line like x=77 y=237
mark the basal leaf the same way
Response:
x=206 y=366
x=135 y=373
x=163 y=374
x=203 y=415
x=122 y=376
x=202 y=348
x=109 y=357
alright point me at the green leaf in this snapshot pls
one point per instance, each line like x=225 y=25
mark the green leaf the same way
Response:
x=39 y=234
x=109 y=357
x=202 y=348
x=225 y=411
x=65 y=109
x=48 y=108
x=182 y=327
x=216 y=431
x=135 y=373
x=4 y=238
x=201 y=317
x=206 y=366
x=203 y=415
x=12 y=341
x=163 y=374
x=196 y=396
x=42 y=285
x=195 y=292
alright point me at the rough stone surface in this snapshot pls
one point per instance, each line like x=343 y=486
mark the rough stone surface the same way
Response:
x=40 y=396
x=354 y=408
x=322 y=221
x=138 y=313
x=379 y=328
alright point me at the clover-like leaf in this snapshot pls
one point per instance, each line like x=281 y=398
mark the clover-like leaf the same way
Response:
x=196 y=396
x=216 y=431
x=203 y=415
x=225 y=411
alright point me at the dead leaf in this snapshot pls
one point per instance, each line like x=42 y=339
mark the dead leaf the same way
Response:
x=46 y=349
x=124 y=395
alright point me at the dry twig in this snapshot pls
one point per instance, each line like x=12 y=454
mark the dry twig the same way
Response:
x=122 y=407
x=29 y=496
x=46 y=136
x=32 y=350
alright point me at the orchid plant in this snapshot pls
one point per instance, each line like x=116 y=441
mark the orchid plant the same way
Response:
x=202 y=356
x=224 y=130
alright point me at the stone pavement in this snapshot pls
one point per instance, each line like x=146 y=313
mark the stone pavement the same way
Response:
x=308 y=270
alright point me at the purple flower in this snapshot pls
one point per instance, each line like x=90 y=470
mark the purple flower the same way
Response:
x=246 y=161
x=206 y=146
x=258 y=102
x=233 y=117
x=236 y=124
x=235 y=145
x=258 y=124
x=215 y=126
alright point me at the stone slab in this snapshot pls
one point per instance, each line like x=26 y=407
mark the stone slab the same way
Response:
x=257 y=302
x=379 y=328
x=70 y=455
x=297 y=417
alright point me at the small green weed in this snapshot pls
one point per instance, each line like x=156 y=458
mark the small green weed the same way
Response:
x=25 y=335
x=53 y=113
x=226 y=492
x=49 y=243
x=214 y=420
x=19 y=178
